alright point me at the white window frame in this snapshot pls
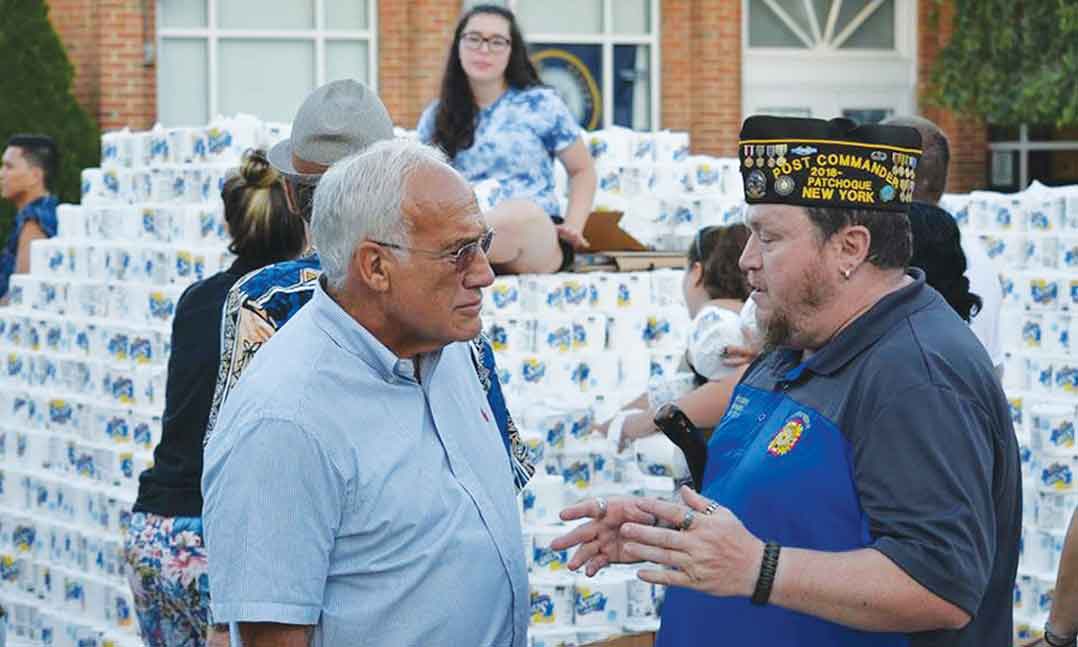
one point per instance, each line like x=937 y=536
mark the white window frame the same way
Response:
x=816 y=43
x=823 y=65
x=1024 y=146
x=213 y=34
x=608 y=39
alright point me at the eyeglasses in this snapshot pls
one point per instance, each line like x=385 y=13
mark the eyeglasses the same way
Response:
x=461 y=259
x=496 y=44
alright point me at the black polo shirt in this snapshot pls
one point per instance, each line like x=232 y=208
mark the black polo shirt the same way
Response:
x=172 y=487
x=894 y=436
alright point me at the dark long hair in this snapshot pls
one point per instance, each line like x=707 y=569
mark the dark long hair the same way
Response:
x=454 y=124
x=937 y=249
x=718 y=249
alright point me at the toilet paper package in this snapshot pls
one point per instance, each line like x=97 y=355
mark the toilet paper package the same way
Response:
x=601 y=600
x=616 y=292
x=1041 y=374
x=1066 y=376
x=541 y=294
x=671 y=147
x=1056 y=474
x=1025 y=596
x=503 y=297
x=576 y=293
x=612 y=145
x=591 y=372
x=1068 y=253
x=552 y=601
x=576 y=469
x=657 y=456
x=1042 y=291
x=1053 y=511
x=553 y=334
x=545 y=558
x=1053 y=429
x=666 y=288
x=542 y=499
x=589 y=332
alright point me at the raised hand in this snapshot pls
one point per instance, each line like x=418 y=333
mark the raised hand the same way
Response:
x=599 y=540
x=707 y=548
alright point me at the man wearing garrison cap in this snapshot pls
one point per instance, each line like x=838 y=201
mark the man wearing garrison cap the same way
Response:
x=864 y=487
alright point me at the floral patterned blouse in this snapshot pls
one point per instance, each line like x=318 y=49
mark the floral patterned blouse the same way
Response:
x=516 y=139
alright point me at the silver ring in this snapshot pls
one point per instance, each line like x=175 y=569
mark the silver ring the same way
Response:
x=601 y=502
x=686 y=521
x=711 y=507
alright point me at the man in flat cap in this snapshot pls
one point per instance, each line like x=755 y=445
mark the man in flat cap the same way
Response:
x=864 y=487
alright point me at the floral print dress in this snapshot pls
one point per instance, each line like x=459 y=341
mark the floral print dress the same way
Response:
x=516 y=139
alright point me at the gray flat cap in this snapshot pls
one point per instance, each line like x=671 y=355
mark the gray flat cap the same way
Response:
x=336 y=120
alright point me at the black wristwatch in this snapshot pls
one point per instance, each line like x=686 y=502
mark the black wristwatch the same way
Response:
x=768 y=566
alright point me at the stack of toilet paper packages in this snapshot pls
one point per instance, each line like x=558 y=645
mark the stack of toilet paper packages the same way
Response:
x=1033 y=238
x=665 y=193
x=571 y=350
x=85 y=342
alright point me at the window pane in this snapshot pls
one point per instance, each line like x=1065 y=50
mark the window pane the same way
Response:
x=1053 y=168
x=632 y=86
x=346 y=14
x=795 y=9
x=576 y=72
x=347 y=59
x=182 y=84
x=182 y=13
x=878 y=32
x=560 y=16
x=767 y=30
x=265 y=14
x=265 y=78
x=631 y=16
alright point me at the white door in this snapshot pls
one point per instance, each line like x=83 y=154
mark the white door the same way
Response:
x=830 y=58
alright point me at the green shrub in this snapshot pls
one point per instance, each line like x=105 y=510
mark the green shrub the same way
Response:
x=36 y=91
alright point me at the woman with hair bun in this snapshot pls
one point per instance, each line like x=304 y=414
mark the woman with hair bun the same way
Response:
x=497 y=122
x=164 y=546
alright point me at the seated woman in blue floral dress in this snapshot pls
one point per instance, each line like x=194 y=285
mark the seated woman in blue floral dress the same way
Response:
x=496 y=121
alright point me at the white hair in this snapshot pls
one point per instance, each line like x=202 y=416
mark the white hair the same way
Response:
x=359 y=198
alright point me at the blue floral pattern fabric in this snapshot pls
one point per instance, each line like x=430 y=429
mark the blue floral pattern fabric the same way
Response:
x=169 y=579
x=516 y=139
x=42 y=211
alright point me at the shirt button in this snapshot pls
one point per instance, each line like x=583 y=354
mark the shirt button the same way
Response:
x=761 y=417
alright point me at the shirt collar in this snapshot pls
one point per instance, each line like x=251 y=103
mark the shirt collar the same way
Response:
x=352 y=337
x=863 y=331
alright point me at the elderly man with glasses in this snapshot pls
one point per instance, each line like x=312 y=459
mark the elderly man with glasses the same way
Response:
x=357 y=485
x=338 y=119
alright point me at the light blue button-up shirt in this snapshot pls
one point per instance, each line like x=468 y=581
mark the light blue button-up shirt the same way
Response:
x=346 y=494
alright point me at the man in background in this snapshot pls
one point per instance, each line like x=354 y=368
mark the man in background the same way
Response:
x=30 y=164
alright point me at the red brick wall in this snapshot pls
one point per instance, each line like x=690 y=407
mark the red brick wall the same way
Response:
x=701 y=68
x=104 y=41
x=968 y=135
x=413 y=37
x=701 y=72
